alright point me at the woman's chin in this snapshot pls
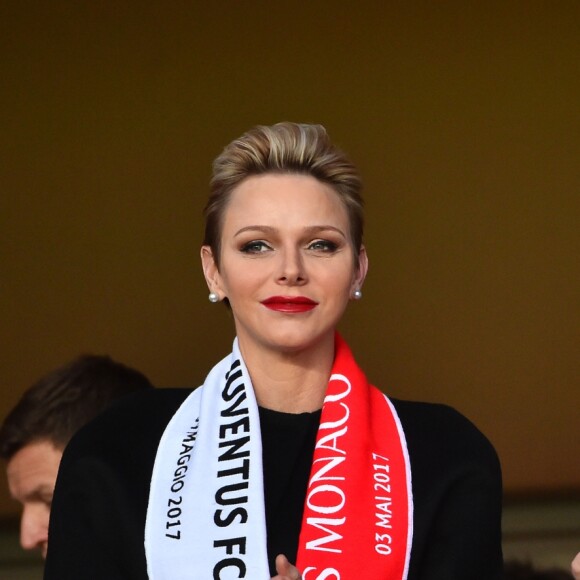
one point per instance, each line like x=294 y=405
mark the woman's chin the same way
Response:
x=296 y=343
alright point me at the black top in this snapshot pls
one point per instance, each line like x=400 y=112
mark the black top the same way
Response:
x=98 y=517
x=287 y=448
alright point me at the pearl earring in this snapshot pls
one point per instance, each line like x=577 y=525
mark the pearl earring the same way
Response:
x=357 y=294
x=213 y=297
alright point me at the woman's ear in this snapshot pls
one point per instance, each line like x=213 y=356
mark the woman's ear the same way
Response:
x=362 y=269
x=210 y=271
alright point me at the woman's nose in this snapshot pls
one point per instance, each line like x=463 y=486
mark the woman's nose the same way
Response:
x=292 y=270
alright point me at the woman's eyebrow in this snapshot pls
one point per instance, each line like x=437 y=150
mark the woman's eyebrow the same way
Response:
x=324 y=228
x=256 y=228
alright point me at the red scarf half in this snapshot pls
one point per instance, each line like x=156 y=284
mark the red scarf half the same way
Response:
x=358 y=515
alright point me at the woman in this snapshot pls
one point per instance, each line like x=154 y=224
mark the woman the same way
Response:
x=286 y=462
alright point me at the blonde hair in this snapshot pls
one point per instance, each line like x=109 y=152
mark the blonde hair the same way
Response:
x=283 y=148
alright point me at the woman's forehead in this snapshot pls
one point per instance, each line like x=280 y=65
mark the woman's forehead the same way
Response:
x=283 y=201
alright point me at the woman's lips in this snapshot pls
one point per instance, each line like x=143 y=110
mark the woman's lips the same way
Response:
x=289 y=303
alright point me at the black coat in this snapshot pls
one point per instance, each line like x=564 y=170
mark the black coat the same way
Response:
x=98 y=514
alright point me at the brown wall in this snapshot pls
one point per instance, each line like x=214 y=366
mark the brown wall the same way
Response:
x=463 y=118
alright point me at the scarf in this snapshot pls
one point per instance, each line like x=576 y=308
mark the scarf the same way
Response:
x=206 y=515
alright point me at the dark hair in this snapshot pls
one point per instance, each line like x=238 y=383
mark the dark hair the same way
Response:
x=515 y=570
x=283 y=148
x=64 y=400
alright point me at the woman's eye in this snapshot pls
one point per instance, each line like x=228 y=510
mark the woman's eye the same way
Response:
x=254 y=247
x=323 y=246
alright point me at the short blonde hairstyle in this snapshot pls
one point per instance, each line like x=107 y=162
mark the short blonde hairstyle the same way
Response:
x=283 y=148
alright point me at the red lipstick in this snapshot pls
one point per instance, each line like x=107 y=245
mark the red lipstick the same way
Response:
x=289 y=304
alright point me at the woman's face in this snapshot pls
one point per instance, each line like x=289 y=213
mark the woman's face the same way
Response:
x=287 y=265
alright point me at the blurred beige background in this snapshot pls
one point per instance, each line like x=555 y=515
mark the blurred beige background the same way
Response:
x=463 y=117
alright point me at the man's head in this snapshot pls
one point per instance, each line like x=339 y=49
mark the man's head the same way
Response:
x=36 y=431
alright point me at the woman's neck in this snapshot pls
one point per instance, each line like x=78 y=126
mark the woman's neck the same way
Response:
x=292 y=382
